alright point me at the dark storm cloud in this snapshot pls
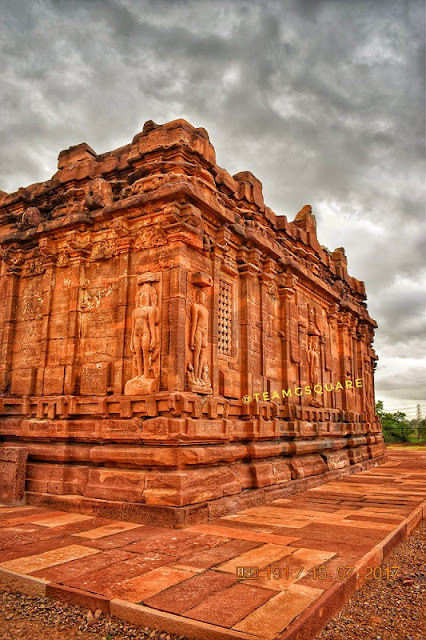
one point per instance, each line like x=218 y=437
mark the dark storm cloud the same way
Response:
x=322 y=100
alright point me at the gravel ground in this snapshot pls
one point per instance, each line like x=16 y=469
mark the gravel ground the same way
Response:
x=29 y=618
x=388 y=609
x=380 y=610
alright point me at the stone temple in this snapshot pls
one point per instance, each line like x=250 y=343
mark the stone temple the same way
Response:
x=172 y=350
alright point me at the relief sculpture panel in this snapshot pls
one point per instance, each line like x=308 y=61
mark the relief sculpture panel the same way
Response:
x=198 y=368
x=145 y=340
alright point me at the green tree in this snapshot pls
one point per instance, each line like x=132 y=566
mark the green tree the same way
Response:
x=421 y=429
x=396 y=427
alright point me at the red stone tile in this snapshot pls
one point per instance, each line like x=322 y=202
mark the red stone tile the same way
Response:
x=17 y=534
x=240 y=534
x=357 y=547
x=36 y=514
x=227 y=607
x=122 y=539
x=261 y=557
x=207 y=558
x=235 y=523
x=60 y=520
x=176 y=548
x=16 y=515
x=339 y=565
x=102 y=580
x=108 y=529
x=29 y=564
x=142 y=587
x=277 y=613
x=189 y=593
x=77 y=527
x=380 y=519
x=44 y=533
x=23 y=550
x=70 y=570
x=317 y=530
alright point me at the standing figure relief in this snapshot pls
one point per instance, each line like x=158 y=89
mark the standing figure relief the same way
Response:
x=145 y=331
x=197 y=374
x=313 y=357
x=145 y=342
x=313 y=360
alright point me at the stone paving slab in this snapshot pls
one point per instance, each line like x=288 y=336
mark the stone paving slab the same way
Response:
x=275 y=572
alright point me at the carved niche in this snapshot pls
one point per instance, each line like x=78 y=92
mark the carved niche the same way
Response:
x=145 y=339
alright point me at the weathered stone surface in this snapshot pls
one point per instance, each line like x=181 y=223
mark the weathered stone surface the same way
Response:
x=336 y=459
x=13 y=461
x=310 y=465
x=167 y=341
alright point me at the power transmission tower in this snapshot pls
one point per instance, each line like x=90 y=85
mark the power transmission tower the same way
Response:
x=418 y=413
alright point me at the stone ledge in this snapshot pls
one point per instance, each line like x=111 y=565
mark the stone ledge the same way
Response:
x=199 y=513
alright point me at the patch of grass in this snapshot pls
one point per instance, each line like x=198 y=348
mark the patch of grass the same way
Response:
x=422 y=447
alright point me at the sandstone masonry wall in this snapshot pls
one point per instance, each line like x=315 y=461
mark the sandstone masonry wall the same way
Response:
x=160 y=328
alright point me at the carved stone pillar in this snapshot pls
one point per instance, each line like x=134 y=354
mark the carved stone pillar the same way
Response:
x=289 y=332
x=344 y=351
x=10 y=280
x=124 y=245
x=78 y=252
x=47 y=294
x=248 y=318
x=331 y=355
x=177 y=320
x=217 y=257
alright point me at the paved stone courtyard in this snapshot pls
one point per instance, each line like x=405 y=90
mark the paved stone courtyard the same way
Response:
x=302 y=557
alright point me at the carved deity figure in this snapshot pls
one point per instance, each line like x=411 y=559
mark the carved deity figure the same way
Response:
x=368 y=383
x=198 y=342
x=313 y=359
x=145 y=342
x=145 y=338
x=199 y=331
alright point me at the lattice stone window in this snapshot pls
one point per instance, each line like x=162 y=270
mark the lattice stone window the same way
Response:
x=224 y=320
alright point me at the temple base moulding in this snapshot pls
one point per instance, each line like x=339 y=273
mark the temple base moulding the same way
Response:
x=185 y=516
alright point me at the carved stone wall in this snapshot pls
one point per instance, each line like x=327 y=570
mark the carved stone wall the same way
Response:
x=170 y=348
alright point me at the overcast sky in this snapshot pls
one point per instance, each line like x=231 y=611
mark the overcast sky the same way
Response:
x=323 y=100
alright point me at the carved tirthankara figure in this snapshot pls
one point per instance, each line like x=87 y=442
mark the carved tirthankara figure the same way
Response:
x=314 y=360
x=145 y=341
x=198 y=378
x=159 y=329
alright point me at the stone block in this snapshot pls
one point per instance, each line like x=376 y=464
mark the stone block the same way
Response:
x=336 y=459
x=94 y=379
x=53 y=381
x=13 y=464
x=189 y=486
x=23 y=381
x=115 y=484
x=309 y=465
